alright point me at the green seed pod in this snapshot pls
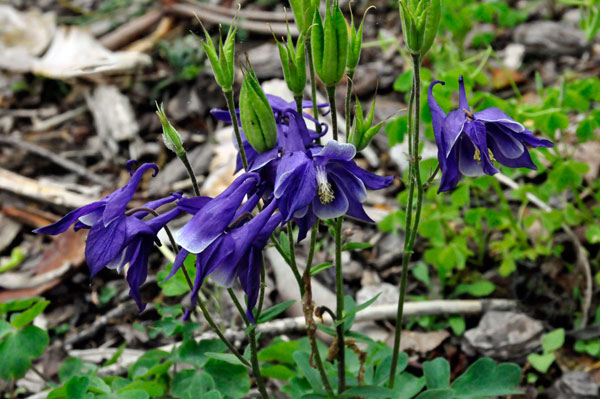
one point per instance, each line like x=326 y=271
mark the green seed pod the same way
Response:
x=222 y=63
x=171 y=136
x=293 y=62
x=362 y=131
x=329 y=44
x=256 y=115
x=355 y=42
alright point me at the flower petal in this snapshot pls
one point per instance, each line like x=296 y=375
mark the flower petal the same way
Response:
x=523 y=161
x=451 y=176
x=370 y=180
x=334 y=151
x=437 y=120
x=496 y=115
x=462 y=95
x=116 y=203
x=334 y=209
x=63 y=224
x=353 y=187
x=467 y=164
x=476 y=131
x=452 y=128
x=504 y=143
x=105 y=243
x=138 y=270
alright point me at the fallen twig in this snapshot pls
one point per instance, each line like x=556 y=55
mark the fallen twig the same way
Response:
x=21 y=185
x=46 y=124
x=131 y=30
x=582 y=255
x=57 y=159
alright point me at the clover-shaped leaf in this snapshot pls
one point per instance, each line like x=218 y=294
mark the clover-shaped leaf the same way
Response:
x=18 y=348
x=484 y=378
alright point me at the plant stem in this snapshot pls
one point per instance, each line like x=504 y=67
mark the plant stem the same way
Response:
x=313 y=85
x=308 y=308
x=238 y=305
x=293 y=264
x=190 y=170
x=331 y=97
x=339 y=290
x=298 y=100
x=261 y=295
x=410 y=227
x=39 y=373
x=234 y=121
x=350 y=76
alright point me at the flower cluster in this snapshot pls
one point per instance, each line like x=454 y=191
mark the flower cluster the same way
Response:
x=469 y=143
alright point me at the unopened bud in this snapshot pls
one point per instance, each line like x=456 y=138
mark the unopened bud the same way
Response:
x=329 y=44
x=222 y=62
x=256 y=115
x=420 y=22
x=363 y=131
x=171 y=136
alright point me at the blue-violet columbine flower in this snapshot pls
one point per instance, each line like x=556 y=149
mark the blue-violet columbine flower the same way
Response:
x=118 y=238
x=469 y=143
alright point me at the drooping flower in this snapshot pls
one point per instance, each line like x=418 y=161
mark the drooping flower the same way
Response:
x=325 y=181
x=118 y=238
x=469 y=143
x=236 y=253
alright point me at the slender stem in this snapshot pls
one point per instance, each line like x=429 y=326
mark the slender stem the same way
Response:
x=293 y=264
x=411 y=227
x=191 y=173
x=253 y=351
x=238 y=305
x=298 y=100
x=287 y=259
x=313 y=85
x=261 y=294
x=308 y=309
x=339 y=290
x=350 y=76
x=331 y=97
x=260 y=383
x=42 y=376
x=234 y=121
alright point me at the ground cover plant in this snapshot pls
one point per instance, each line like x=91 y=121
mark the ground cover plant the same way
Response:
x=440 y=243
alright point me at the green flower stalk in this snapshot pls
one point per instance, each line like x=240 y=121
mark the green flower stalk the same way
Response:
x=355 y=42
x=420 y=22
x=222 y=62
x=329 y=44
x=293 y=62
x=256 y=115
x=363 y=130
x=171 y=136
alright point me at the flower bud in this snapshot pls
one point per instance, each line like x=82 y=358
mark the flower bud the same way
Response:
x=171 y=136
x=222 y=63
x=420 y=22
x=293 y=62
x=303 y=10
x=256 y=115
x=355 y=42
x=329 y=44
x=362 y=131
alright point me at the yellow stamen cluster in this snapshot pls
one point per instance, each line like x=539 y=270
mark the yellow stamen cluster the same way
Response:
x=325 y=193
x=477 y=156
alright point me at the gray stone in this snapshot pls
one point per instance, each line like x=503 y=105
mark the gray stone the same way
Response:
x=265 y=61
x=388 y=296
x=574 y=385
x=551 y=39
x=504 y=335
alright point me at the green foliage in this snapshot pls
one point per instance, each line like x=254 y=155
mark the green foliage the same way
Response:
x=551 y=342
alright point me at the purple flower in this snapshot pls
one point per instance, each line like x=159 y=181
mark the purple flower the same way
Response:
x=236 y=253
x=216 y=215
x=470 y=143
x=326 y=182
x=117 y=238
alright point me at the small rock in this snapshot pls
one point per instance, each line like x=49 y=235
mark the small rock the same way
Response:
x=186 y=103
x=352 y=271
x=574 y=385
x=504 y=335
x=420 y=342
x=389 y=250
x=389 y=294
x=513 y=56
x=550 y=39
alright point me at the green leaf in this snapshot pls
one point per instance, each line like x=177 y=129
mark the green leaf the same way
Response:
x=18 y=348
x=351 y=246
x=439 y=393
x=5 y=328
x=461 y=196
x=18 y=304
x=113 y=359
x=403 y=82
x=421 y=273
x=478 y=289
x=225 y=357
x=274 y=311
x=352 y=310
x=541 y=362
x=72 y=367
x=457 y=324
x=553 y=340
x=407 y=386
x=22 y=319
x=592 y=233
x=194 y=353
x=76 y=387
x=177 y=285
x=278 y=371
x=191 y=384
x=312 y=375
x=133 y=394
x=485 y=378
x=382 y=372
x=319 y=268
x=281 y=352
x=437 y=373
x=367 y=391
x=232 y=380
x=150 y=387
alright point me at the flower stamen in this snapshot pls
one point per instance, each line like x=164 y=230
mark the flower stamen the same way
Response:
x=324 y=189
